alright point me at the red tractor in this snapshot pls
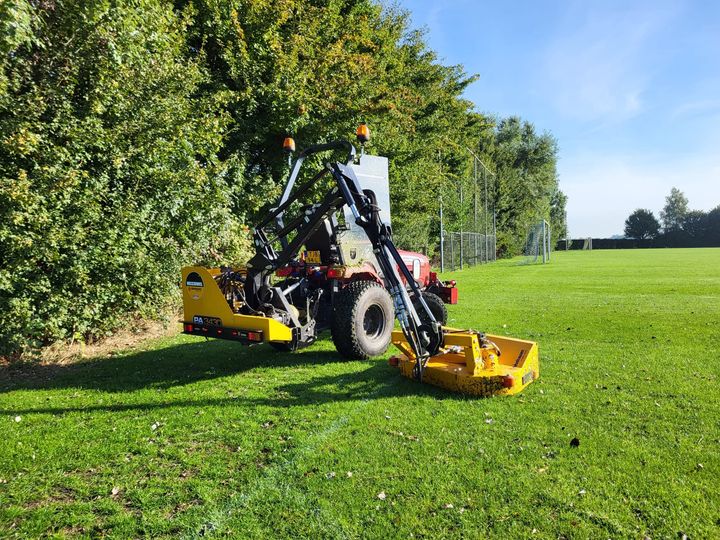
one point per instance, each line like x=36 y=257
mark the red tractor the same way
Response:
x=317 y=267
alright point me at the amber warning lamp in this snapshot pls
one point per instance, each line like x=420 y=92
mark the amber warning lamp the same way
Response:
x=363 y=133
x=289 y=144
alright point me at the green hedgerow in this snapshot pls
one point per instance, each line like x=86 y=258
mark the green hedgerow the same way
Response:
x=108 y=180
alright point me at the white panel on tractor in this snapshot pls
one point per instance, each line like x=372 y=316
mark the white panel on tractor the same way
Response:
x=372 y=173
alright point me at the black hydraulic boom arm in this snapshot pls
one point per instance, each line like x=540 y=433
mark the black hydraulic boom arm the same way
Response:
x=426 y=338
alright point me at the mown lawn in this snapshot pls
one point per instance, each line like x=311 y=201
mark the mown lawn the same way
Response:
x=192 y=438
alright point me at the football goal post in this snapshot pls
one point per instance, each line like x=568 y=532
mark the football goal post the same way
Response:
x=537 y=245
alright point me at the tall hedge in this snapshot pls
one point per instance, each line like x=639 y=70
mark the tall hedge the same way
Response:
x=108 y=170
x=139 y=136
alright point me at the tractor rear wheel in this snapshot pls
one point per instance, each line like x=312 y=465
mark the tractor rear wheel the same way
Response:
x=363 y=318
x=437 y=308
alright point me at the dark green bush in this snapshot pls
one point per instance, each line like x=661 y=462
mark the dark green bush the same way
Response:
x=108 y=175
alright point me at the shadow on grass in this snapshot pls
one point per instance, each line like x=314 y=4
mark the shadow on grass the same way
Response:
x=188 y=363
x=163 y=368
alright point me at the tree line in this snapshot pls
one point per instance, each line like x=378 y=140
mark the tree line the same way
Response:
x=136 y=137
x=680 y=226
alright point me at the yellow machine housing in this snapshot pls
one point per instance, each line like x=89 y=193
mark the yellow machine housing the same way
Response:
x=207 y=312
x=496 y=365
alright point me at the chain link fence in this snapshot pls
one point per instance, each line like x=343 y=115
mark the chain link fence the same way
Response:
x=460 y=249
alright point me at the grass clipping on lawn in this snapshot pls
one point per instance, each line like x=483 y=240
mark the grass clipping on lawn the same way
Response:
x=183 y=437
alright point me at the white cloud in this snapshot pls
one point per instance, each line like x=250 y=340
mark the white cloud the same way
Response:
x=696 y=108
x=595 y=69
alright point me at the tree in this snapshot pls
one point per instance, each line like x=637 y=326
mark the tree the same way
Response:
x=694 y=224
x=526 y=181
x=558 y=221
x=713 y=226
x=314 y=70
x=676 y=206
x=642 y=224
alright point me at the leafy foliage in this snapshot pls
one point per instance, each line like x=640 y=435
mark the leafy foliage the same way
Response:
x=138 y=136
x=108 y=175
x=682 y=227
x=527 y=184
x=315 y=70
x=674 y=211
x=642 y=224
x=713 y=226
x=558 y=216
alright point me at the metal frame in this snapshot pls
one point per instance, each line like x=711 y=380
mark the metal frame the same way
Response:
x=424 y=339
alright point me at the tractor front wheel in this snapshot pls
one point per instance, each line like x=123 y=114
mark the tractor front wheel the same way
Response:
x=437 y=308
x=363 y=319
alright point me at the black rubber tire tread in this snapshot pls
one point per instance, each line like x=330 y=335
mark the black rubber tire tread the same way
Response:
x=436 y=305
x=346 y=329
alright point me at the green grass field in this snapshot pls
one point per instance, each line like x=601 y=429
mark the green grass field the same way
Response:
x=192 y=438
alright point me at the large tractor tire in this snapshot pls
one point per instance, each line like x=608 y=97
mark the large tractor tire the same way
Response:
x=437 y=308
x=363 y=319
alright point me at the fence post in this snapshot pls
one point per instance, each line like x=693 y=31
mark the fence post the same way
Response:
x=442 y=239
x=486 y=207
x=494 y=250
x=461 y=250
x=475 y=193
x=476 y=248
x=452 y=251
x=549 y=240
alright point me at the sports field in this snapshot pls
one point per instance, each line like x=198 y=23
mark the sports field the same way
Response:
x=190 y=438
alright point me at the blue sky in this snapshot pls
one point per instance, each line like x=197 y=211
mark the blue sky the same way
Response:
x=631 y=90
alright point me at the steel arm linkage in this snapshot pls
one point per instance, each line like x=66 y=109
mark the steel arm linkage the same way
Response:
x=426 y=338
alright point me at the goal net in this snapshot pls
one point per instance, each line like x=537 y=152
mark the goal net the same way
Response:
x=537 y=244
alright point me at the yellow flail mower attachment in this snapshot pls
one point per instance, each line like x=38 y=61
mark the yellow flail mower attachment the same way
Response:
x=473 y=363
